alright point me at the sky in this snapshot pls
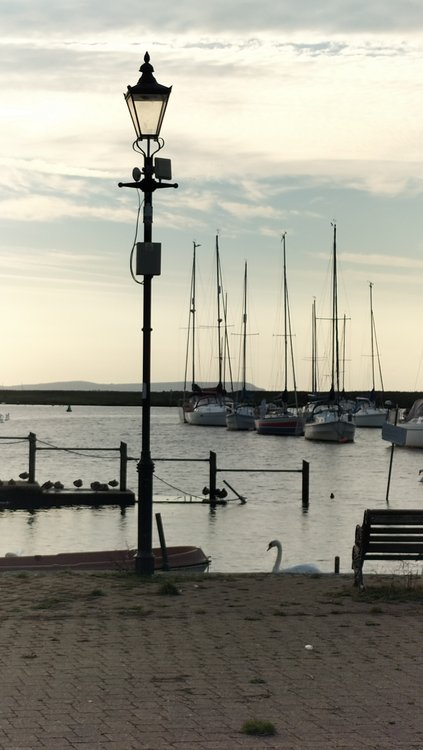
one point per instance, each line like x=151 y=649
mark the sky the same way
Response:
x=283 y=117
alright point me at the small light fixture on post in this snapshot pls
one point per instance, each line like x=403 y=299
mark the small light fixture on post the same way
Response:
x=147 y=102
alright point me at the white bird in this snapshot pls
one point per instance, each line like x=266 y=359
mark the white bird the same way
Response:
x=302 y=568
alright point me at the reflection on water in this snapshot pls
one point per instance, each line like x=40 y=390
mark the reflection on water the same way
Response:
x=235 y=536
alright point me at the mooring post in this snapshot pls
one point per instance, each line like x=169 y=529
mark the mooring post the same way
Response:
x=123 y=449
x=162 y=541
x=212 y=478
x=336 y=565
x=305 y=484
x=32 y=441
x=390 y=461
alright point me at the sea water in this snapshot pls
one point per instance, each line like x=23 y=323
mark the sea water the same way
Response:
x=344 y=481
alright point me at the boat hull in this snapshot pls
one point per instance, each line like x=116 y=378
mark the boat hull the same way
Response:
x=180 y=559
x=210 y=415
x=241 y=419
x=375 y=418
x=280 y=425
x=334 y=431
x=409 y=435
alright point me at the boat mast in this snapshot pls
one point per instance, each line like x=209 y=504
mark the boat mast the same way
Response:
x=372 y=348
x=373 y=343
x=285 y=309
x=344 y=341
x=313 y=348
x=219 y=318
x=193 y=308
x=335 y=340
x=244 y=334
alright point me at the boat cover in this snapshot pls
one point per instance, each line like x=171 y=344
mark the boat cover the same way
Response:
x=416 y=410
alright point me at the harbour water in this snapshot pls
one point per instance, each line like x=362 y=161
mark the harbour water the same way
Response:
x=344 y=480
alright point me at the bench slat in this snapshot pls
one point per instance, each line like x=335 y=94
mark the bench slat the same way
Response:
x=391 y=556
x=416 y=549
x=386 y=517
x=415 y=531
x=398 y=541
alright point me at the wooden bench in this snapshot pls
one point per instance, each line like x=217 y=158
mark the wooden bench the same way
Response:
x=387 y=535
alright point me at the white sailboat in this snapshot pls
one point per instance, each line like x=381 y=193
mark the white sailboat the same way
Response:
x=326 y=420
x=208 y=407
x=366 y=413
x=281 y=419
x=242 y=415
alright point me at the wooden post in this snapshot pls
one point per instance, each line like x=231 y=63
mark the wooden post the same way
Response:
x=306 y=484
x=390 y=462
x=162 y=541
x=336 y=569
x=32 y=440
x=212 y=479
x=123 y=467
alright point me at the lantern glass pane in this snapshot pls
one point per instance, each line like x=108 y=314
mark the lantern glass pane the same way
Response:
x=147 y=114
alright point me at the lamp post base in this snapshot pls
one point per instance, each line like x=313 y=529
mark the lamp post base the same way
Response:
x=144 y=564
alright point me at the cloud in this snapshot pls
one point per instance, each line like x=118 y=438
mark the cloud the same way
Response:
x=331 y=15
x=374 y=259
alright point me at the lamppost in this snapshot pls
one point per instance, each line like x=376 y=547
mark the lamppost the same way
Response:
x=147 y=102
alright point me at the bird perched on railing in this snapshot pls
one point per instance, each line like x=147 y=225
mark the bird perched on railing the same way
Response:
x=59 y=486
x=113 y=483
x=78 y=483
x=24 y=475
x=47 y=485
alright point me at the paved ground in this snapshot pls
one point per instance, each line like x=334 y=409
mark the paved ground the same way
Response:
x=107 y=662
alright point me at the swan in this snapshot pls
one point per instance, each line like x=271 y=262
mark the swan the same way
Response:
x=302 y=568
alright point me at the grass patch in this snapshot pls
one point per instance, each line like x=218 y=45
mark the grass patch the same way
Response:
x=53 y=602
x=96 y=593
x=258 y=728
x=391 y=592
x=136 y=611
x=168 y=588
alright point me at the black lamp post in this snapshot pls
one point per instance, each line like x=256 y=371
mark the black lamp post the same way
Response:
x=147 y=102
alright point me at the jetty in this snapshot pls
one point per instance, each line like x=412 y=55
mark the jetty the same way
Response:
x=27 y=494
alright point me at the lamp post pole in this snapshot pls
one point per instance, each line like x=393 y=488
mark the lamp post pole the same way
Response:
x=144 y=561
x=147 y=102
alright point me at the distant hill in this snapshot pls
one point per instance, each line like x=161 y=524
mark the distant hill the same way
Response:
x=86 y=385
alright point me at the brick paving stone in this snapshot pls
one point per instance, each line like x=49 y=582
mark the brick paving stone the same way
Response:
x=78 y=676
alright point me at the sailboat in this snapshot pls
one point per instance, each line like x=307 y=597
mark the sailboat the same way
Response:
x=365 y=412
x=208 y=407
x=326 y=419
x=282 y=419
x=242 y=415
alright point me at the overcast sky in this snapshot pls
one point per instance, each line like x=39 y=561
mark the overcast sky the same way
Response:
x=283 y=117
